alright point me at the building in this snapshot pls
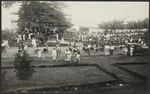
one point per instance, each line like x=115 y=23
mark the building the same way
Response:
x=85 y=31
x=14 y=21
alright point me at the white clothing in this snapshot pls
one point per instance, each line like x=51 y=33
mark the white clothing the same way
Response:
x=6 y=43
x=94 y=47
x=25 y=47
x=142 y=42
x=89 y=46
x=39 y=53
x=78 y=57
x=90 y=39
x=106 y=50
x=29 y=35
x=19 y=37
x=131 y=51
x=23 y=37
x=131 y=40
x=68 y=56
x=112 y=47
x=34 y=42
x=54 y=54
x=17 y=40
x=3 y=44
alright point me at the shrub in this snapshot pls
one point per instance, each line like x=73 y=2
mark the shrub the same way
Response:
x=22 y=63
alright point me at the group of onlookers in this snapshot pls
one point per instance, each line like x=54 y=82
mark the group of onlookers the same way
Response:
x=107 y=42
x=72 y=54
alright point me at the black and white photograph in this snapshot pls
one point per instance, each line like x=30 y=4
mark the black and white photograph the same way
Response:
x=74 y=47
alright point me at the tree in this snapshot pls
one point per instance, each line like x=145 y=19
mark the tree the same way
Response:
x=105 y=25
x=119 y=24
x=42 y=14
x=112 y=25
x=131 y=25
x=145 y=23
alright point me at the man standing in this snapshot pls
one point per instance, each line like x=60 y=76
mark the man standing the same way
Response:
x=58 y=50
x=39 y=53
x=68 y=55
x=34 y=42
x=54 y=54
x=7 y=44
x=131 y=51
x=88 y=49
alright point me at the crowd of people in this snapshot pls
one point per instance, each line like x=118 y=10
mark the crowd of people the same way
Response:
x=72 y=54
x=107 y=43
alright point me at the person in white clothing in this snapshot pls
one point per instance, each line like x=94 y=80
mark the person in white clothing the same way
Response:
x=111 y=50
x=107 y=50
x=39 y=53
x=25 y=47
x=88 y=49
x=29 y=35
x=34 y=42
x=7 y=44
x=24 y=36
x=18 y=39
x=68 y=55
x=131 y=51
x=54 y=54
x=58 y=50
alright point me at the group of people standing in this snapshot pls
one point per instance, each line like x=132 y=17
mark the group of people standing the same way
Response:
x=56 y=52
x=108 y=50
x=72 y=55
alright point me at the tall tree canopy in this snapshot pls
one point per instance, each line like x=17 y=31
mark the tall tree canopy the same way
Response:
x=41 y=13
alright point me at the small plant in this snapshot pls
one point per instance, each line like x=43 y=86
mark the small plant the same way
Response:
x=23 y=66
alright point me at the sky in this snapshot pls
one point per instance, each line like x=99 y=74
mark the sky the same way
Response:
x=91 y=14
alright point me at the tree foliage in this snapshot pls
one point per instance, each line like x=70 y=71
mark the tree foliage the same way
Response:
x=8 y=4
x=41 y=14
x=113 y=25
x=119 y=24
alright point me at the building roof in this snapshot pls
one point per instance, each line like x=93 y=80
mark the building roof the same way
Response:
x=90 y=27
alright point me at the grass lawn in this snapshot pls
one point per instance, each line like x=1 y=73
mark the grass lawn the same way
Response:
x=72 y=75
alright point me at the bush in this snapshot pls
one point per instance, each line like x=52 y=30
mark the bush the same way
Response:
x=22 y=63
